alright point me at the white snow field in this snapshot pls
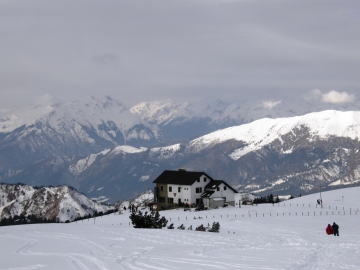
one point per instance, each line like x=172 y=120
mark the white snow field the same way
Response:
x=282 y=236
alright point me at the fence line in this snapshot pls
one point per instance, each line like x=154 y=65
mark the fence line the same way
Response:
x=316 y=206
x=264 y=215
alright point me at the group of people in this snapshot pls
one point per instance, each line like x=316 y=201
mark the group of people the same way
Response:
x=132 y=208
x=334 y=229
x=186 y=205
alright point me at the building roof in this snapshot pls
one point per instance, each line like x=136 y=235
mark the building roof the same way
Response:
x=207 y=194
x=180 y=177
x=215 y=183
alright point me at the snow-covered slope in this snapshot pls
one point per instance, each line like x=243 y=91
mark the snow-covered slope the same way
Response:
x=105 y=116
x=13 y=119
x=141 y=201
x=221 y=113
x=89 y=111
x=160 y=112
x=52 y=203
x=51 y=128
x=290 y=235
x=263 y=132
x=85 y=163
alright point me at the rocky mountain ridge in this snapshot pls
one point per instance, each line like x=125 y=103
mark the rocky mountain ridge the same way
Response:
x=284 y=156
x=56 y=204
x=52 y=128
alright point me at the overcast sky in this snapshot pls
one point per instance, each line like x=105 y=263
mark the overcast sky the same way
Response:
x=182 y=50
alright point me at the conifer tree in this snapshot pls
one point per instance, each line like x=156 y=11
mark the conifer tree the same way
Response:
x=149 y=221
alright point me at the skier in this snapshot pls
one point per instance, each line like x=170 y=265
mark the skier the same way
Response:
x=336 y=229
x=329 y=229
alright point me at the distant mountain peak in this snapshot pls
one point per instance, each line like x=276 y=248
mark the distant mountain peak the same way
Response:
x=48 y=100
x=28 y=115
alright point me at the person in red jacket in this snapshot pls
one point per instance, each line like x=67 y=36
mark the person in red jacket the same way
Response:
x=329 y=229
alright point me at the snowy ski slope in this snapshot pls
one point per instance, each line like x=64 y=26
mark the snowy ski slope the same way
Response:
x=289 y=235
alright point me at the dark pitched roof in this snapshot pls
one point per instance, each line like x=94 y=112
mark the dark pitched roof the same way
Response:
x=215 y=183
x=180 y=177
x=207 y=194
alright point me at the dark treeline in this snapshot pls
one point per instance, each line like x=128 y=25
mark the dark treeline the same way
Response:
x=32 y=219
x=267 y=199
x=22 y=219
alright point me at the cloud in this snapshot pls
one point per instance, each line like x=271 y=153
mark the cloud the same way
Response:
x=337 y=97
x=271 y=104
x=181 y=50
x=330 y=97
x=313 y=95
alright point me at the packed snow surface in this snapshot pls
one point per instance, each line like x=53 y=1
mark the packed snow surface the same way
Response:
x=290 y=235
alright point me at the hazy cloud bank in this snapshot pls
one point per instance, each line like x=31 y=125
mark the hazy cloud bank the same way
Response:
x=271 y=104
x=181 y=50
x=330 y=97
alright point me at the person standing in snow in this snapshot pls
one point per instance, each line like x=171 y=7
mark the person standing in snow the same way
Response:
x=329 y=230
x=336 y=229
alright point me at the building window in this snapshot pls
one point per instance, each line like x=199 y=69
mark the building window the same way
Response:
x=170 y=200
x=170 y=189
x=179 y=189
x=198 y=180
x=204 y=179
x=218 y=189
x=198 y=190
x=224 y=187
x=162 y=199
x=161 y=188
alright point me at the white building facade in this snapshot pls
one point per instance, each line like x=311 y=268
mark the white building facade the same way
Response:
x=176 y=188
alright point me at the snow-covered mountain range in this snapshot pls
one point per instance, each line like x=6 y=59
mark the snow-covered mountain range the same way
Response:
x=52 y=128
x=110 y=152
x=58 y=204
x=263 y=132
x=211 y=115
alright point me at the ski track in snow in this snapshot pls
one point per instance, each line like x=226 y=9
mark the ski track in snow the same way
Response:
x=204 y=251
x=244 y=242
